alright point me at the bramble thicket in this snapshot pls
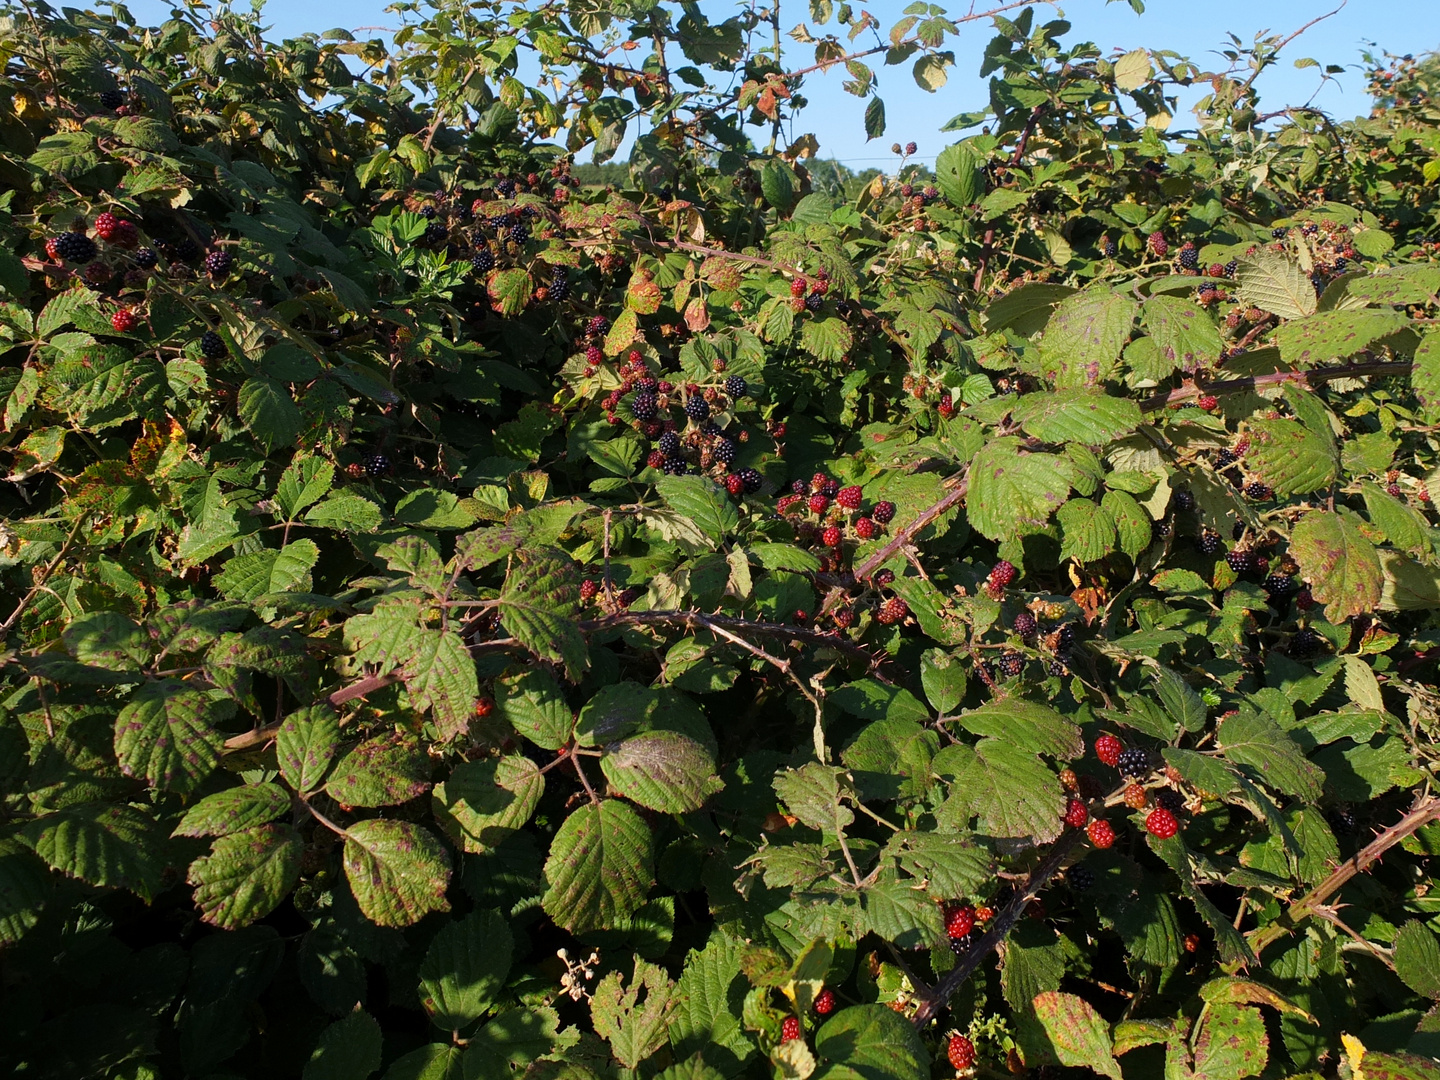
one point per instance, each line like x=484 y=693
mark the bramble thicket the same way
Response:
x=738 y=620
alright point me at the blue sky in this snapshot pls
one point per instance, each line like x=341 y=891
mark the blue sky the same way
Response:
x=1195 y=28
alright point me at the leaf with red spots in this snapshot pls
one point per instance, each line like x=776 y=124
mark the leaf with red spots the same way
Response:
x=398 y=871
x=166 y=735
x=247 y=874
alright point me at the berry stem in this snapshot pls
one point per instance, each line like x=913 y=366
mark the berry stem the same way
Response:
x=1250 y=382
x=1000 y=926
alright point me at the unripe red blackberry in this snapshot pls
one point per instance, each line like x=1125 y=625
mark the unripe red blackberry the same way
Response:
x=1101 y=833
x=844 y=617
x=1002 y=573
x=123 y=321
x=825 y=1002
x=849 y=497
x=959 y=920
x=798 y=287
x=818 y=504
x=1135 y=797
x=1108 y=749
x=52 y=248
x=734 y=485
x=790 y=1029
x=588 y=589
x=1068 y=780
x=1161 y=823
x=893 y=610
x=1076 y=814
x=1208 y=402
x=865 y=528
x=910 y=149
x=105 y=225
x=831 y=536
x=960 y=1052
x=946 y=408
x=884 y=512
x=1192 y=942
x=1158 y=244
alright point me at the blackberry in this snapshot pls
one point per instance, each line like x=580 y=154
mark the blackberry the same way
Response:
x=960 y=1052
x=1232 y=267
x=1317 y=280
x=751 y=479
x=1079 y=878
x=799 y=487
x=505 y=188
x=435 y=234
x=1278 y=233
x=1310 y=228
x=483 y=261
x=1305 y=643
x=959 y=921
x=1108 y=247
x=377 y=465
x=1170 y=799
x=669 y=444
x=145 y=258
x=1208 y=542
x=218 y=263
x=560 y=285
x=598 y=324
x=428 y=213
x=112 y=99
x=675 y=466
x=884 y=512
x=1189 y=257
x=1280 y=586
x=1344 y=821
x=1225 y=458
x=1003 y=573
x=1241 y=560
x=642 y=406
x=814 y=302
x=1258 y=491
x=1024 y=624
x=519 y=232
x=723 y=451
x=1340 y=264
x=185 y=251
x=1184 y=500
x=212 y=345
x=1064 y=637
x=736 y=386
x=697 y=409
x=1158 y=245
x=1161 y=824
x=1133 y=762
x=1011 y=664
x=1058 y=666
x=75 y=247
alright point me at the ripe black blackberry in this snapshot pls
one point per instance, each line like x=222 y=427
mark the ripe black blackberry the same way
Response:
x=1225 y=458
x=1183 y=500
x=1059 y=666
x=1241 y=560
x=1305 y=643
x=483 y=261
x=669 y=444
x=697 y=409
x=1317 y=280
x=736 y=386
x=1340 y=264
x=1108 y=247
x=752 y=480
x=1343 y=821
x=1232 y=267
x=218 y=263
x=1133 y=762
x=112 y=99
x=1025 y=624
x=960 y=945
x=1208 y=542
x=675 y=466
x=435 y=234
x=1170 y=799
x=723 y=451
x=185 y=251
x=505 y=188
x=1258 y=491
x=519 y=232
x=560 y=285
x=1079 y=878
x=814 y=302
x=377 y=465
x=1189 y=257
x=1011 y=664
x=428 y=213
x=212 y=345
x=642 y=406
x=75 y=247
x=145 y=258
x=1280 y=586
x=1278 y=233
x=598 y=324
x=1064 y=638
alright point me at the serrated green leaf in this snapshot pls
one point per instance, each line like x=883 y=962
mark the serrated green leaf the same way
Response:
x=382 y=771
x=1334 y=335
x=483 y=803
x=866 y=1042
x=1132 y=524
x=1290 y=457
x=957 y=174
x=464 y=969
x=269 y=411
x=703 y=502
x=1013 y=793
x=345 y=513
x=1011 y=493
x=306 y=744
x=234 y=809
x=599 y=867
x=1077 y=1033
x=1083 y=339
x=1254 y=739
x=398 y=871
x=24 y=888
x=1182 y=334
x=116 y=845
x=349 y=1049
x=812 y=794
x=538 y=605
x=634 y=1028
x=1417 y=958
x=1028 y=725
x=305 y=481
x=1272 y=282
x=259 y=573
x=1339 y=563
x=1082 y=416
x=1231 y=1043
x=1087 y=531
x=952 y=865
x=437 y=669
x=247 y=874
x=662 y=770
x=711 y=994
x=1425 y=376
x=166 y=734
